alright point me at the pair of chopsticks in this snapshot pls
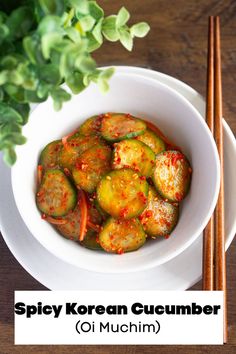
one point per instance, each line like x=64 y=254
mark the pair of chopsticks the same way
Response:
x=214 y=268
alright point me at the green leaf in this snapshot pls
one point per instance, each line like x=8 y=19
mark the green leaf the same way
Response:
x=75 y=82
x=126 y=38
x=20 y=22
x=10 y=128
x=95 y=10
x=22 y=108
x=109 y=29
x=140 y=29
x=103 y=85
x=122 y=17
x=32 y=47
x=87 y=23
x=9 y=115
x=73 y=34
x=32 y=96
x=49 y=41
x=50 y=24
x=81 y=6
x=1 y=94
x=4 y=76
x=52 y=7
x=71 y=54
x=86 y=65
x=43 y=90
x=9 y=156
x=97 y=31
x=59 y=96
x=17 y=93
x=68 y=18
x=93 y=44
x=50 y=74
x=4 y=32
x=9 y=62
x=13 y=138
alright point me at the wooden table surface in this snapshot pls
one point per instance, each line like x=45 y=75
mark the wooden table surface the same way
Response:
x=176 y=45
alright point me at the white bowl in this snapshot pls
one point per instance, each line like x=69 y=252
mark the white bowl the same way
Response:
x=145 y=98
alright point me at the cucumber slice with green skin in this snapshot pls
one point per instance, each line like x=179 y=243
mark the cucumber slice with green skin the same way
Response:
x=56 y=195
x=159 y=217
x=90 y=166
x=91 y=126
x=172 y=175
x=91 y=241
x=119 y=126
x=153 y=141
x=122 y=193
x=74 y=147
x=103 y=214
x=71 y=229
x=119 y=236
x=134 y=154
x=49 y=155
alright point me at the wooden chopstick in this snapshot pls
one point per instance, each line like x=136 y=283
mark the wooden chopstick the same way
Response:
x=208 y=239
x=214 y=265
x=220 y=264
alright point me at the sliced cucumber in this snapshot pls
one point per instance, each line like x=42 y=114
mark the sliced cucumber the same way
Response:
x=122 y=193
x=172 y=175
x=153 y=141
x=49 y=155
x=90 y=166
x=91 y=126
x=159 y=218
x=119 y=126
x=134 y=154
x=71 y=229
x=102 y=212
x=74 y=147
x=119 y=236
x=91 y=241
x=56 y=195
x=93 y=214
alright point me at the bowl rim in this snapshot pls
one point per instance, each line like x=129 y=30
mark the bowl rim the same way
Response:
x=150 y=263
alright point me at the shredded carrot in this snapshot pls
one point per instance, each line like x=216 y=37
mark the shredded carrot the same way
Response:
x=54 y=221
x=39 y=174
x=84 y=213
x=94 y=227
x=170 y=145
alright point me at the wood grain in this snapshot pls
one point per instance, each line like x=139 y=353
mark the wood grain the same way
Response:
x=176 y=45
x=208 y=234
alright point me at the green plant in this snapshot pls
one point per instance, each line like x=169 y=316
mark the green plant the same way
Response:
x=44 y=43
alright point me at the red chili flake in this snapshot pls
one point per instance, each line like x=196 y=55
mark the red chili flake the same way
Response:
x=142 y=197
x=167 y=236
x=149 y=213
x=123 y=212
x=44 y=216
x=178 y=196
x=120 y=251
x=176 y=157
x=143 y=178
